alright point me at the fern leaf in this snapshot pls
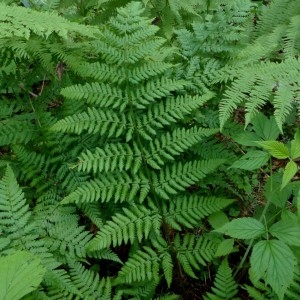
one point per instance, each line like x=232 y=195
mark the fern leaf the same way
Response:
x=96 y=93
x=18 y=129
x=180 y=176
x=142 y=266
x=27 y=22
x=173 y=144
x=194 y=252
x=188 y=211
x=167 y=112
x=68 y=240
x=94 y=121
x=167 y=266
x=88 y=282
x=134 y=224
x=153 y=90
x=14 y=211
x=108 y=187
x=224 y=285
x=111 y=157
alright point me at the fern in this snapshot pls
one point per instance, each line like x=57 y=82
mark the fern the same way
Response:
x=194 y=252
x=134 y=224
x=224 y=286
x=270 y=75
x=142 y=266
x=141 y=121
x=188 y=211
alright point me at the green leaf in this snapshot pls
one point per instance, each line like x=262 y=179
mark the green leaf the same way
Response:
x=275 y=148
x=265 y=127
x=286 y=231
x=295 y=146
x=246 y=138
x=20 y=273
x=274 y=193
x=252 y=160
x=218 y=219
x=290 y=170
x=274 y=262
x=243 y=228
x=225 y=248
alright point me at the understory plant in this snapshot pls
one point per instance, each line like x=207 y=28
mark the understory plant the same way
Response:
x=149 y=149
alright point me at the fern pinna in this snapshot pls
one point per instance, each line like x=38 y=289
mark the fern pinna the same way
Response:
x=140 y=166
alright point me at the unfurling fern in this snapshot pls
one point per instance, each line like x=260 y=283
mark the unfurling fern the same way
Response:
x=141 y=122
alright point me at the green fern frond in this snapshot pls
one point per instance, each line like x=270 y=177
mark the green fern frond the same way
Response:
x=261 y=84
x=94 y=121
x=177 y=178
x=93 y=212
x=137 y=291
x=68 y=240
x=59 y=283
x=172 y=144
x=118 y=187
x=154 y=90
x=88 y=282
x=225 y=286
x=14 y=211
x=106 y=254
x=133 y=224
x=22 y=22
x=193 y=252
x=168 y=112
x=100 y=94
x=142 y=266
x=188 y=211
x=167 y=266
x=112 y=157
x=17 y=129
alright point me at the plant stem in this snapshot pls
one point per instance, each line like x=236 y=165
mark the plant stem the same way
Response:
x=260 y=220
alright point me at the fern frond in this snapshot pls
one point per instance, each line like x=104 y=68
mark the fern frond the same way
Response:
x=59 y=282
x=225 y=286
x=115 y=156
x=88 y=282
x=106 y=254
x=142 y=266
x=153 y=90
x=93 y=212
x=133 y=224
x=177 y=178
x=93 y=121
x=22 y=22
x=188 y=211
x=68 y=240
x=172 y=144
x=99 y=94
x=118 y=187
x=194 y=252
x=18 y=129
x=168 y=112
x=14 y=211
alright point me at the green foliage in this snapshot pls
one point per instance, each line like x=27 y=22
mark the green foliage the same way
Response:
x=224 y=285
x=22 y=272
x=115 y=182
